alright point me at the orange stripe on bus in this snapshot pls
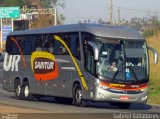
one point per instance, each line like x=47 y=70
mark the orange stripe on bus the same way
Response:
x=124 y=88
x=14 y=40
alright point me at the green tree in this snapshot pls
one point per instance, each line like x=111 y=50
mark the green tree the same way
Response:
x=9 y=3
x=52 y=3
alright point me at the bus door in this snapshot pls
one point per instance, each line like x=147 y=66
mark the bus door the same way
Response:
x=90 y=55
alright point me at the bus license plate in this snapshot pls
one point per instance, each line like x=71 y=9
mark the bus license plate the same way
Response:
x=124 y=98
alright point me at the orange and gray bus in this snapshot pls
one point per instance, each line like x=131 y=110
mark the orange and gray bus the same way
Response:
x=78 y=63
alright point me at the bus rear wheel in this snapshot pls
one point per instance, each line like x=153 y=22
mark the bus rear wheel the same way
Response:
x=26 y=92
x=18 y=90
x=77 y=96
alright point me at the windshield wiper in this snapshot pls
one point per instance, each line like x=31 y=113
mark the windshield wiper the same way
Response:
x=118 y=70
x=121 y=68
x=134 y=74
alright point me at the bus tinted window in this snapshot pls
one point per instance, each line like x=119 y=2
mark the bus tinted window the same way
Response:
x=48 y=43
x=85 y=38
x=25 y=43
x=57 y=48
x=90 y=60
x=38 y=42
x=28 y=45
x=11 y=46
x=61 y=49
x=75 y=45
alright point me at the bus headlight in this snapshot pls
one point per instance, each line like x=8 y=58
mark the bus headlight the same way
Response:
x=144 y=98
x=144 y=89
x=101 y=86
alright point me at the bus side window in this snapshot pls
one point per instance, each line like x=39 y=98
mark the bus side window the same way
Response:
x=59 y=48
x=75 y=46
x=51 y=43
x=9 y=45
x=38 y=42
x=15 y=49
x=85 y=38
x=48 y=43
x=27 y=45
x=90 y=60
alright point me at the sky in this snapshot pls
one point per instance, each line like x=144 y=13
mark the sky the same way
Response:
x=93 y=10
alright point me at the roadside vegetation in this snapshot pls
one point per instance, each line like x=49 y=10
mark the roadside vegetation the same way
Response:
x=153 y=39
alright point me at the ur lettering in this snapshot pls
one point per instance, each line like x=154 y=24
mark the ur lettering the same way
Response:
x=11 y=62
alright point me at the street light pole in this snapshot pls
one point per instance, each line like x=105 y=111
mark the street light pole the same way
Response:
x=110 y=11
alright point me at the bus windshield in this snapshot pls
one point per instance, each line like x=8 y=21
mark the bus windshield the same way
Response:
x=122 y=61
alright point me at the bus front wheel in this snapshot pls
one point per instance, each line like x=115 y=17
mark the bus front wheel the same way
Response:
x=77 y=96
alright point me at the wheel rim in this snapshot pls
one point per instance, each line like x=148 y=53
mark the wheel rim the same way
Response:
x=18 y=90
x=26 y=91
x=78 y=96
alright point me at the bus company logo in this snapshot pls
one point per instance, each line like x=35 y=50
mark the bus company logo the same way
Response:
x=44 y=66
x=11 y=62
x=117 y=85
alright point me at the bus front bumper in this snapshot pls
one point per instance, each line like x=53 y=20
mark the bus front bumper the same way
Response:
x=112 y=95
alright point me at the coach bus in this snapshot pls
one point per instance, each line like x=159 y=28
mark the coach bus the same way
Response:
x=78 y=63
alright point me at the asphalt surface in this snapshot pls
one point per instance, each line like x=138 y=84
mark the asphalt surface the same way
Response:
x=93 y=110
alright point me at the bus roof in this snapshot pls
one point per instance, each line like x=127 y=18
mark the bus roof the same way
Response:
x=96 y=29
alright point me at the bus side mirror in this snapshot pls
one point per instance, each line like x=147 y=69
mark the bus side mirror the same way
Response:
x=155 y=53
x=95 y=48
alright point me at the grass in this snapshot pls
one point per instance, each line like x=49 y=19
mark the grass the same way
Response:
x=154 y=91
x=154 y=95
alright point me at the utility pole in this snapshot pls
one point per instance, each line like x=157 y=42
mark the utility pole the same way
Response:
x=55 y=16
x=119 y=16
x=110 y=11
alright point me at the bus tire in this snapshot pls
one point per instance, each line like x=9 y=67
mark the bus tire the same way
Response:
x=26 y=92
x=77 y=96
x=18 y=89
